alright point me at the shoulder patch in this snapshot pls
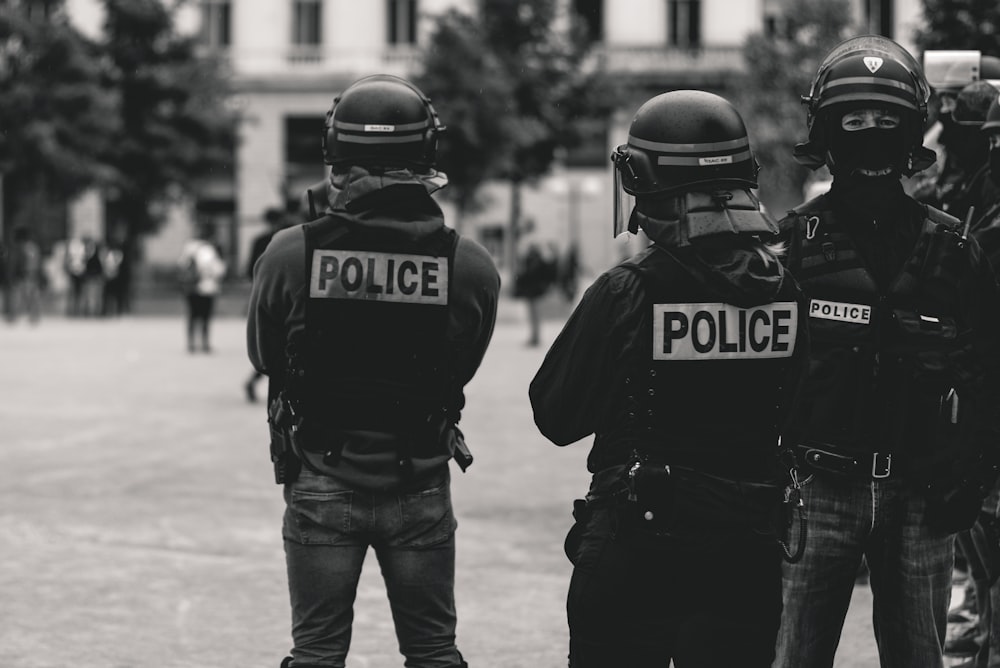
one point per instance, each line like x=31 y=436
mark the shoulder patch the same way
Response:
x=714 y=331
x=368 y=275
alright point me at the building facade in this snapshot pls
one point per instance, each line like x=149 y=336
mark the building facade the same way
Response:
x=290 y=58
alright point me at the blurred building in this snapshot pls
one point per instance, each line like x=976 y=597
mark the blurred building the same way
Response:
x=290 y=58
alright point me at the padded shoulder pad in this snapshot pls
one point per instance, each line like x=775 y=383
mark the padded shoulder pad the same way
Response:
x=939 y=217
x=817 y=203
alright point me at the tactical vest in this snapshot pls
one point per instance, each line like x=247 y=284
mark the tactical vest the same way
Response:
x=882 y=360
x=374 y=354
x=704 y=382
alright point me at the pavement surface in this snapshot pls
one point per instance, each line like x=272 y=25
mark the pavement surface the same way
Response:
x=140 y=525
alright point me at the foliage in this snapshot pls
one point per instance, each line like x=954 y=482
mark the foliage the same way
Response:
x=176 y=126
x=470 y=91
x=139 y=114
x=960 y=24
x=57 y=111
x=779 y=71
x=513 y=87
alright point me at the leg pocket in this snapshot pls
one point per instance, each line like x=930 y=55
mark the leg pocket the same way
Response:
x=426 y=518
x=318 y=518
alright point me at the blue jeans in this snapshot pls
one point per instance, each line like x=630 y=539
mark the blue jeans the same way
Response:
x=328 y=528
x=910 y=568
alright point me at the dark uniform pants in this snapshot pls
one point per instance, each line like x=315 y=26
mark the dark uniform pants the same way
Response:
x=703 y=599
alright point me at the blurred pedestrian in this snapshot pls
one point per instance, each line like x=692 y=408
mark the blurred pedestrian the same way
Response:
x=368 y=351
x=276 y=220
x=537 y=270
x=684 y=361
x=899 y=434
x=201 y=270
x=93 y=279
x=26 y=277
x=112 y=296
x=76 y=266
x=4 y=279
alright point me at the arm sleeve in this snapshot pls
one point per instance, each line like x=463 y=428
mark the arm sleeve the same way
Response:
x=475 y=294
x=569 y=393
x=275 y=308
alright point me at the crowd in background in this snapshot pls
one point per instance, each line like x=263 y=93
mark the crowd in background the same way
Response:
x=82 y=276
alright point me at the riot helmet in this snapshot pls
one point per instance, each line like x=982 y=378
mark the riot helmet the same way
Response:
x=688 y=151
x=382 y=121
x=992 y=123
x=867 y=73
x=973 y=103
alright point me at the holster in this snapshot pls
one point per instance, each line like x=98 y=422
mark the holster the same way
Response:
x=455 y=442
x=279 y=422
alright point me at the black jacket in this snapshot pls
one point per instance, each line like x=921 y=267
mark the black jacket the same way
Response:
x=609 y=372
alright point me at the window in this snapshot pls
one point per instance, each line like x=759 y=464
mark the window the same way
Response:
x=215 y=23
x=589 y=15
x=685 y=22
x=402 y=21
x=307 y=22
x=304 y=139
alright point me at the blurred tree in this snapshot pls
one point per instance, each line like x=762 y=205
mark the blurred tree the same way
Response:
x=470 y=91
x=58 y=115
x=960 y=24
x=517 y=83
x=176 y=125
x=780 y=67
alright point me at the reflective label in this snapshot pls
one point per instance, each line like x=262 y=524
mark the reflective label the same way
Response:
x=842 y=311
x=393 y=277
x=380 y=128
x=722 y=331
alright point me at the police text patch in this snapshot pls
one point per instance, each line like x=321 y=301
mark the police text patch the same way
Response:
x=393 y=277
x=843 y=311
x=723 y=331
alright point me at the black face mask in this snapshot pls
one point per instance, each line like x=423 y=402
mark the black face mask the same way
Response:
x=872 y=150
x=994 y=160
x=968 y=147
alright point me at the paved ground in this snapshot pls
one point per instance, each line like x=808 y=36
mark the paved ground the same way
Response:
x=139 y=524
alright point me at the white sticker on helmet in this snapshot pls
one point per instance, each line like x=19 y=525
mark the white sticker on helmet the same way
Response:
x=873 y=63
x=716 y=160
x=713 y=331
x=392 y=277
x=380 y=128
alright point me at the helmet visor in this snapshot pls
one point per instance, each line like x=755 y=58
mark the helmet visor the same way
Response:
x=623 y=201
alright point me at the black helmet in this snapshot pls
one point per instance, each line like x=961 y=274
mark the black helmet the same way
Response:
x=383 y=121
x=973 y=103
x=862 y=72
x=690 y=147
x=684 y=139
x=992 y=124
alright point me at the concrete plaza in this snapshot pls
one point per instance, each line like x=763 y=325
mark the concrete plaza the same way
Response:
x=140 y=525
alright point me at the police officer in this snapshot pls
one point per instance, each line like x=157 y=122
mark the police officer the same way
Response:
x=898 y=423
x=963 y=184
x=369 y=322
x=981 y=543
x=683 y=361
x=985 y=223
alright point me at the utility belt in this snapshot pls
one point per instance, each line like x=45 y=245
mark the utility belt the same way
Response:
x=292 y=434
x=857 y=465
x=661 y=499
